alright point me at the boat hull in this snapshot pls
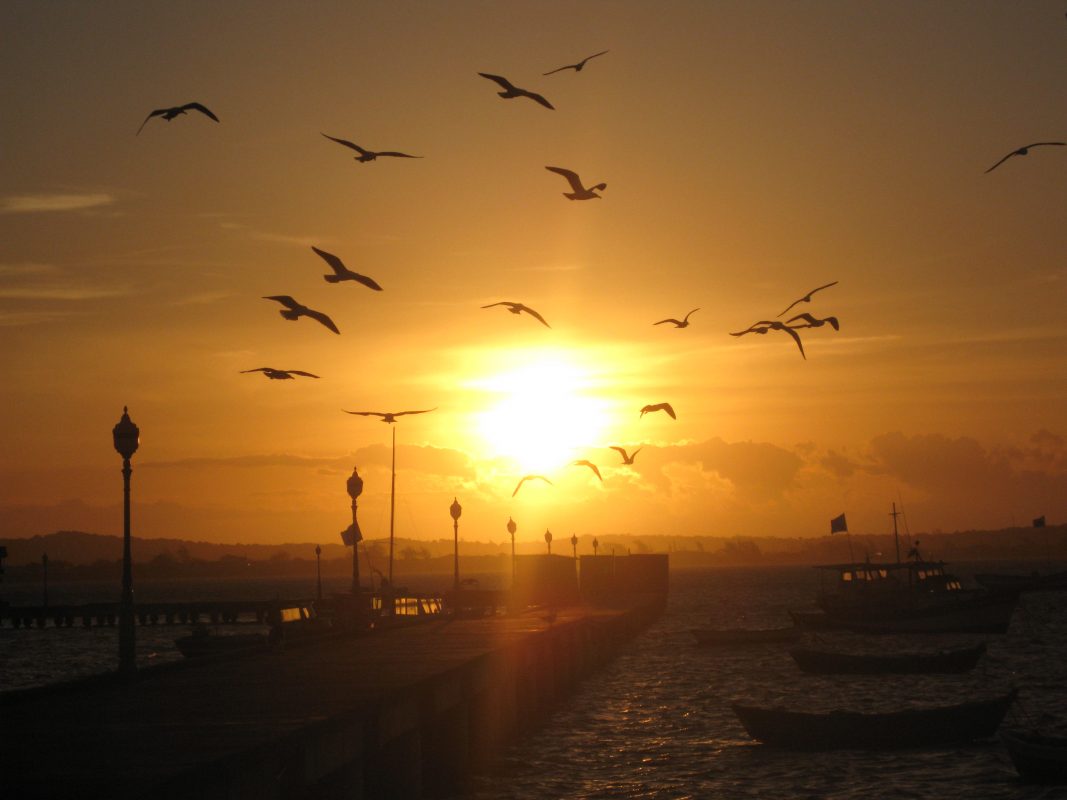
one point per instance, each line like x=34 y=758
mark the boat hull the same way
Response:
x=826 y=662
x=1037 y=758
x=850 y=730
x=987 y=613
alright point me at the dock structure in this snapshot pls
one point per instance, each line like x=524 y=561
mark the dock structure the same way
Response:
x=407 y=712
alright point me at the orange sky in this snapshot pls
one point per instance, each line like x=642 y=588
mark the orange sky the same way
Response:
x=752 y=151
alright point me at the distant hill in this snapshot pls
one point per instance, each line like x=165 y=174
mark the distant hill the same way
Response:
x=79 y=548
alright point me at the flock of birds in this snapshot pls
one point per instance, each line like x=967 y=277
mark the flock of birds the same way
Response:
x=293 y=310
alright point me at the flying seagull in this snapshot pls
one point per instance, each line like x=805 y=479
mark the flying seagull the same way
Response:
x=170 y=113
x=343 y=273
x=678 y=323
x=807 y=298
x=518 y=308
x=577 y=67
x=510 y=90
x=280 y=374
x=530 y=477
x=763 y=326
x=813 y=322
x=1022 y=151
x=627 y=458
x=367 y=155
x=586 y=463
x=389 y=416
x=660 y=407
x=579 y=192
x=293 y=311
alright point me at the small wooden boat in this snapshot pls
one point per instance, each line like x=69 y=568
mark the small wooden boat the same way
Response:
x=853 y=730
x=828 y=662
x=1037 y=758
x=725 y=636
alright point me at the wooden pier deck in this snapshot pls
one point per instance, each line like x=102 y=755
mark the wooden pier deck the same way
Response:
x=407 y=712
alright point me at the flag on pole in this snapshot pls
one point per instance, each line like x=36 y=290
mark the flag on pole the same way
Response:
x=1040 y=522
x=838 y=525
x=351 y=535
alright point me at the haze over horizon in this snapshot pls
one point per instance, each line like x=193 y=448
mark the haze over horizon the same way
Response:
x=751 y=151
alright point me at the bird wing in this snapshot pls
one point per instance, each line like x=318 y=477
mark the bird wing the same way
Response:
x=537 y=98
x=201 y=108
x=370 y=283
x=155 y=113
x=808 y=318
x=346 y=143
x=257 y=369
x=423 y=411
x=501 y=303
x=535 y=315
x=570 y=175
x=675 y=321
x=667 y=407
x=318 y=316
x=833 y=323
x=687 y=316
x=300 y=372
x=395 y=154
x=826 y=286
x=504 y=82
x=560 y=69
x=1009 y=155
x=590 y=464
x=285 y=300
x=796 y=338
x=336 y=264
x=620 y=450
x=366 y=413
x=602 y=52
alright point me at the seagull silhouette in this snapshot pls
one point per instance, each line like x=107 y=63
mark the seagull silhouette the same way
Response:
x=389 y=416
x=678 y=323
x=279 y=374
x=294 y=310
x=813 y=322
x=343 y=273
x=170 y=113
x=627 y=458
x=1022 y=151
x=530 y=477
x=660 y=407
x=511 y=90
x=576 y=67
x=586 y=463
x=367 y=155
x=807 y=298
x=580 y=192
x=763 y=326
x=518 y=308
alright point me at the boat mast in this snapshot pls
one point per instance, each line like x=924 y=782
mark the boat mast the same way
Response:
x=896 y=537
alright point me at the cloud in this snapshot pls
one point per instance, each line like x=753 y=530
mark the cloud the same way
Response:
x=34 y=203
x=61 y=293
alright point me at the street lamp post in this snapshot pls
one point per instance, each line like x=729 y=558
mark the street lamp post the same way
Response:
x=126 y=436
x=44 y=570
x=455 y=510
x=596 y=544
x=318 y=574
x=352 y=535
x=548 y=540
x=574 y=545
x=512 y=527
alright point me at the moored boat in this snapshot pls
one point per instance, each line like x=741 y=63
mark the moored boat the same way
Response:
x=828 y=662
x=1037 y=758
x=725 y=636
x=853 y=730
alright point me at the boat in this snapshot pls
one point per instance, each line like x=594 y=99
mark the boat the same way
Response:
x=1035 y=582
x=1037 y=758
x=724 y=636
x=854 y=730
x=826 y=662
x=910 y=596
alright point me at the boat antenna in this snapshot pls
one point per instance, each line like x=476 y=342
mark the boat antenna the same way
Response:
x=896 y=536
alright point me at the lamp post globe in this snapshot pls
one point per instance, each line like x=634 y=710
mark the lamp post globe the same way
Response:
x=574 y=544
x=126 y=438
x=548 y=540
x=354 y=486
x=512 y=527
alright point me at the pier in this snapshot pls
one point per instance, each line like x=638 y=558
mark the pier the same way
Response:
x=405 y=712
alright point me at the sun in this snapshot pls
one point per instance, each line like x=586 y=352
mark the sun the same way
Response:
x=543 y=414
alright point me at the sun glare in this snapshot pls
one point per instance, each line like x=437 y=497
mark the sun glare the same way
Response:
x=544 y=414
